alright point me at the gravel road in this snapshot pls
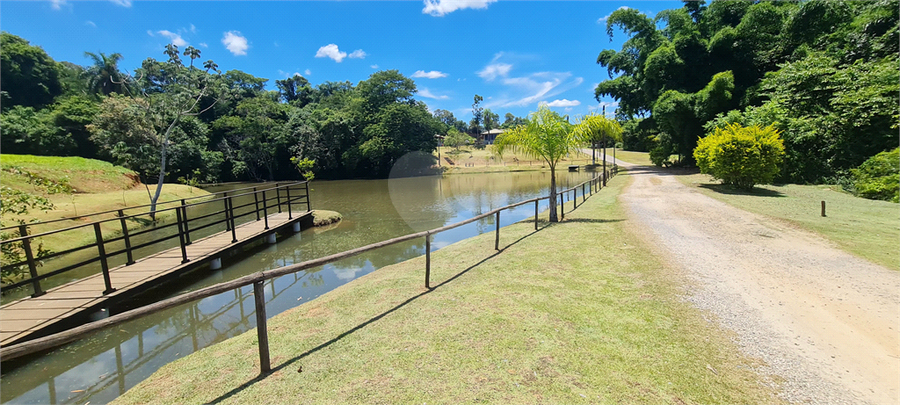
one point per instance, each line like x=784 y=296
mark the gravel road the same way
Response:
x=824 y=322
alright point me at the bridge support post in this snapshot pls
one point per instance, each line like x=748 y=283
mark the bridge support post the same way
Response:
x=215 y=264
x=270 y=238
x=103 y=264
x=295 y=227
x=261 y=332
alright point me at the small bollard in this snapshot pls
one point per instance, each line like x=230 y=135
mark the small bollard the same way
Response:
x=823 y=208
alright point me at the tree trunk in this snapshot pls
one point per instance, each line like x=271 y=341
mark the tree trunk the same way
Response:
x=162 y=167
x=553 y=216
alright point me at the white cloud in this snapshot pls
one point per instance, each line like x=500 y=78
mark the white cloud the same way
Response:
x=603 y=19
x=439 y=8
x=203 y=44
x=424 y=92
x=563 y=103
x=176 y=39
x=331 y=51
x=536 y=86
x=307 y=72
x=57 y=4
x=373 y=66
x=297 y=74
x=235 y=43
x=357 y=54
x=91 y=23
x=150 y=33
x=434 y=74
x=123 y=3
x=490 y=72
x=193 y=29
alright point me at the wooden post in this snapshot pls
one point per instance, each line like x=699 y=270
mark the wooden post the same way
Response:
x=265 y=209
x=227 y=222
x=428 y=261
x=32 y=266
x=535 y=213
x=103 y=264
x=187 y=230
x=256 y=201
x=562 y=207
x=308 y=205
x=231 y=211
x=583 y=195
x=261 y=333
x=497 y=234
x=287 y=191
x=278 y=196
x=823 y=208
x=180 y=219
x=127 y=238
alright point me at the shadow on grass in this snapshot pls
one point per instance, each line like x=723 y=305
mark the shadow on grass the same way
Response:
x=590 y=220
x=755 y=192
x=372 y=320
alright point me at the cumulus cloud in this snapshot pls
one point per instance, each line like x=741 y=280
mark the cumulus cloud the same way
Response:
x=563 y=103
x=331 y=51
x=373 y=66
x=493 y=70
x=357 y=54
x=307 y=72
x=603 y=19
x=434 y=74
x=424 y=92
x=176 y=39
x=235 y=43
x=440 y=8
x=123 y=3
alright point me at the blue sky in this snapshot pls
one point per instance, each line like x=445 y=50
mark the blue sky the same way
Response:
x=515 y=54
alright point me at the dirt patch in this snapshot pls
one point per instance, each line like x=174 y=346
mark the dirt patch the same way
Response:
x=824 y=322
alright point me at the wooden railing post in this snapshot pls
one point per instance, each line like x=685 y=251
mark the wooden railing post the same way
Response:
x=265 y=209
x=227 y=222
x=180 y=219
x=32 y=265
x=308 y=204
x=256 y=201
x=126 y=238
x=187 y=230
x=261 y=333
x=278 y=197
x=104 y=266
x=231 y=215
x=287 y=191
x=497 y=233
x=583 y=195
x=536 y=213
x=428 y=261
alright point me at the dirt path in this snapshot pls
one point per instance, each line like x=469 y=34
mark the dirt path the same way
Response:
x=824 y=322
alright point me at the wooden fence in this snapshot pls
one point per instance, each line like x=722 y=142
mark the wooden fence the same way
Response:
x=587 y=188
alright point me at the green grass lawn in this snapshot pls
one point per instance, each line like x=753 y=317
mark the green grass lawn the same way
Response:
x=578 y=312
x=867 y=228
x=638 y=158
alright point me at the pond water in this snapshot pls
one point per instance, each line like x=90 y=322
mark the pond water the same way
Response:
x=99 y=368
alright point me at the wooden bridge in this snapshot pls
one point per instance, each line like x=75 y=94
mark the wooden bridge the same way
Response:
x=260 y=213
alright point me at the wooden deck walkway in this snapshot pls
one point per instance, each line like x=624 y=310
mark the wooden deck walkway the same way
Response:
x=24 y=318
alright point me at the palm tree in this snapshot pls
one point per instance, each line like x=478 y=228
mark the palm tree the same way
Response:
x=193 y=53
x=547 y=136
x=597 y=128
x=104 y=76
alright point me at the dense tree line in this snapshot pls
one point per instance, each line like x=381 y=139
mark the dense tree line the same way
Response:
x=825 y=73
x=180 y=114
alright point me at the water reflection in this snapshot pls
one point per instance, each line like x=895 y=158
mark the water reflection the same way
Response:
x=103 y=366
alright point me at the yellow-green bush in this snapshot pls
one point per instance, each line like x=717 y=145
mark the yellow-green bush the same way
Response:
x=741 y=156
x=879 y=177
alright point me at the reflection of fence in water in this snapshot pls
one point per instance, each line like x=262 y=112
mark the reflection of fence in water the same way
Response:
x=198 y=323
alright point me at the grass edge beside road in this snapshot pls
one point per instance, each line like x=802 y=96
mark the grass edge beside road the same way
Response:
x=869 y=229
x=596 y=318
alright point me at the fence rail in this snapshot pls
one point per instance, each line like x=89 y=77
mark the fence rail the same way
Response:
x=183 y=227
x=588 y=187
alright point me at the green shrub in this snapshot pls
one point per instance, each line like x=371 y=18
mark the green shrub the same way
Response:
x=879 y=177
x=741 y=156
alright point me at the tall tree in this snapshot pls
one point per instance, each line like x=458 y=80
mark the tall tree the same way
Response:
x=29 y=76
x=477 y=116
x=104 y=76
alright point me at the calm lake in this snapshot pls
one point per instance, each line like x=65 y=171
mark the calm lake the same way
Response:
x=101 y=367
